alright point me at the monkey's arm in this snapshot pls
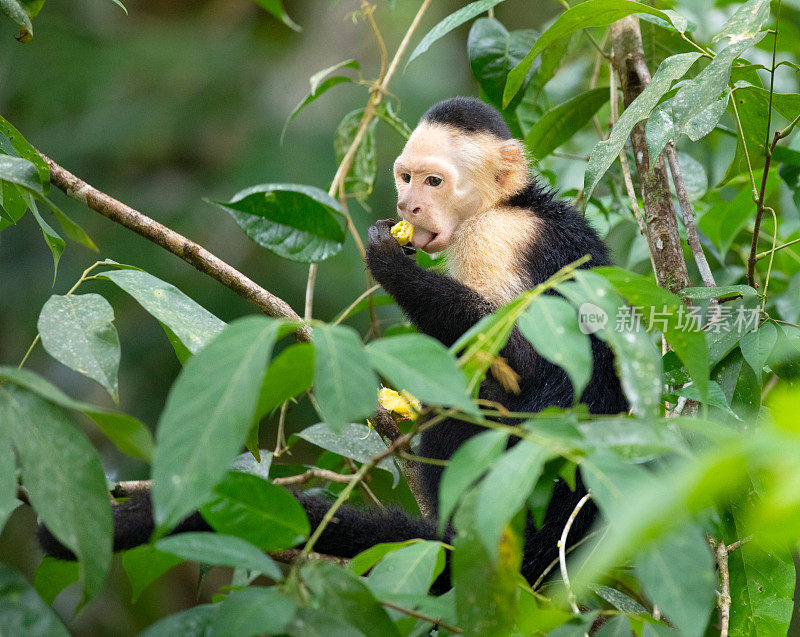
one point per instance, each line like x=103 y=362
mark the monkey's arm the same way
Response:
x=437 y=305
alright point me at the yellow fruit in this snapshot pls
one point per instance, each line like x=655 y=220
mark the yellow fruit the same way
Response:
x=402 y=231
x=403 y=404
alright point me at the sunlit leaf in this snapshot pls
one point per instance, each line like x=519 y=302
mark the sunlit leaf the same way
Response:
x=695 y=109
x=360 y=179
x=593 y=13
x=194 y=325
x=748 y=20
x=207 y=416
x=77 y=330
x=275 y=7
x=551 y=325
x=606 y=151
x=357 y=442
x=409 y=570
x=345 y=386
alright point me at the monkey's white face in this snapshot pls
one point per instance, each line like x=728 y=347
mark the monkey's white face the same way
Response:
x=435 y=191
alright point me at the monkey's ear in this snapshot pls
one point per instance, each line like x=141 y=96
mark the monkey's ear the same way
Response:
x=513 y=175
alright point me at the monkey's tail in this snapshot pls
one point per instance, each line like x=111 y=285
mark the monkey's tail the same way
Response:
x=133 y=525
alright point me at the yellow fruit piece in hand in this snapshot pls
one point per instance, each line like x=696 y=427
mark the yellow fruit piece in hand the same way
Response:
x=403 y=404
x=402 y=231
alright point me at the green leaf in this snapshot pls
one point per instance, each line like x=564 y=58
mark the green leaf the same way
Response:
x=746 y=22
x=258 y=511
x=344 y=384
x=493 y=51
x=365 y=560
x=559 y=124
x=753 y=106
x=20 y=171
x=188 y=623
x=191 y=323
x=24 y=149
x=637 y=361
x=120 y=5
x=22 y=611
x=422 y=366
x=145 y=564
x=409 y=570
x=53 y=576
x=619 y=626
x=357 y=442
x=297 y=222
x=77 y=330
x=722 y=223
x=551 y=325
x=64 y=479
x=129 y=434
x=290 y=374
x=219 y=550
x=360 y=178
x=757 y=346
x=70 y=228
x=8 y=479
x=386 y=112
x=605 y=152
x=695 y=108
x=51 y=237
x=455 y=19
x=466 y=465
x=253 y=611
x=593 y=13
x=275 y=7
x=207 y=416
x=497 y=504
x=12 y=205
x=343 y=594
x=722 y=291
x=319 y=87
x=664 y=311
x=677 y=573
x=485 y=588
x=618 y=600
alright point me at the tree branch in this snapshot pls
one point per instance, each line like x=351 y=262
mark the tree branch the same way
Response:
x=191 y=252
x=663 y=237
x=687 y=210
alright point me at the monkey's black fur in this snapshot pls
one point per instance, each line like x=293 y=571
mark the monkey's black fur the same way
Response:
x=444 y=309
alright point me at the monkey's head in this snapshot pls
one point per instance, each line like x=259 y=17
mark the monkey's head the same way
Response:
x=460 y=160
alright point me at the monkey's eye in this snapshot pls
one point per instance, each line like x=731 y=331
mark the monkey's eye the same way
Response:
x=405 y=177
x=433 y=181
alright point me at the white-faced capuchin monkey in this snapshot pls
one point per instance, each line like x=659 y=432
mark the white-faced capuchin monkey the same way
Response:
x=464 y=183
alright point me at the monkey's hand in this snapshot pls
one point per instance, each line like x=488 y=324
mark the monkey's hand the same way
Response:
x=382 y=249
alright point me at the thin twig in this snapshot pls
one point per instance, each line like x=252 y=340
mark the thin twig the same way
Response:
x=358 y=300
x=427 y=618
x=761 y=255
x=562 y=556
x=280 y=447
x=337 y=184
x=724 y=597
x=313 y=473
x=290 y=556
x=191 y=252
x=687 y=210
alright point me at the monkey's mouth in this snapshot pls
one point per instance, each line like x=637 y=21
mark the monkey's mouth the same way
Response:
x=422 y=238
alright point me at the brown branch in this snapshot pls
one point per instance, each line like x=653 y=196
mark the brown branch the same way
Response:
x=663 y=237
x=427 y=618
x=311 y=474
x=724 y=598
x=290 y=556
x=687 y=210
x=191 y=252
